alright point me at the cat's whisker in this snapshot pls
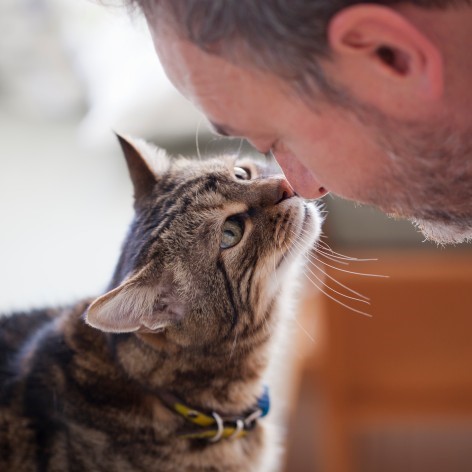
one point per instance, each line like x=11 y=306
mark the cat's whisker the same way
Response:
x=296 y=242
x=342 y=256
x=340 y=284
x=238 y=153
x=197 y=144
x=334 y=256
x=336 y=300
x=308 y=233
x=346 y=259
x=363 y=274
x=361 y=299
x=327 y=247
x=330 y=258
x=310 y=259
x=330 y=296
x=305 y=331
x=304 y=254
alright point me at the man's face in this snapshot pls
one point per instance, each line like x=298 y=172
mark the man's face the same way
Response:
x=322 y=147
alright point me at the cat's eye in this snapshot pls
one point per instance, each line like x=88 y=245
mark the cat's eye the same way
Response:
x=242 y=173
x=232 y=233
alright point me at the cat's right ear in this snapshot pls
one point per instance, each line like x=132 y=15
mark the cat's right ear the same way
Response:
x=136 y=306
x=145 y=164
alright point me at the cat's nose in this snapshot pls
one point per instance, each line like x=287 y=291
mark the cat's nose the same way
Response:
x=275 y=190
x=284 y=191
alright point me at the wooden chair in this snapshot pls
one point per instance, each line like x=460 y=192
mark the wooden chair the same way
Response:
x=392 y=392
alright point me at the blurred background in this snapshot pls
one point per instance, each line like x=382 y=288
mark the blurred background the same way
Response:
x=391 y=391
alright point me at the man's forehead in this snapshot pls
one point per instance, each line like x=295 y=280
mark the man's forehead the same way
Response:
x=196 y=74
x=235 y=98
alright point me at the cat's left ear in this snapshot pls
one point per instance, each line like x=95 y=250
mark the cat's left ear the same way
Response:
x=136 y=306
x=146 y=164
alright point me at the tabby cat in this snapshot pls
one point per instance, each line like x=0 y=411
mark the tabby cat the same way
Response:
x=164 y=371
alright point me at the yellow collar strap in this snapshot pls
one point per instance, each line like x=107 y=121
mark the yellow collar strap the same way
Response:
x=213 y=426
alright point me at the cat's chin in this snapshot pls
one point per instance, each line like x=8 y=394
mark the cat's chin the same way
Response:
x=303 y=234
x=307 y=227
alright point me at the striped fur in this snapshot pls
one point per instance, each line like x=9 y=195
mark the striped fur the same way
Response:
x=78 y=385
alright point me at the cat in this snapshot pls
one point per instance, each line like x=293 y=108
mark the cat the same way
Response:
x=163 y=372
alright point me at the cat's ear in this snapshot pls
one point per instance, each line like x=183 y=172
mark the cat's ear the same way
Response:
x=135 y=306
x=146 y=163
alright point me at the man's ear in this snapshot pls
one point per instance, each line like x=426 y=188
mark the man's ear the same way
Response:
x=136 y=306
x=384 y=56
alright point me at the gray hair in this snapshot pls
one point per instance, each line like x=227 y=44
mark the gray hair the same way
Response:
x=285 y=37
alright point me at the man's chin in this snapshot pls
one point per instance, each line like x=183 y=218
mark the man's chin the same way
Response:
x=444 y=233
x=452 y=231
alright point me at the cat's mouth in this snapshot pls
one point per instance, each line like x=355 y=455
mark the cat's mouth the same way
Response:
x=299 y=229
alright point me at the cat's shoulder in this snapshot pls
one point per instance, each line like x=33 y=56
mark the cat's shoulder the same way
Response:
x=17 y=327
x=21 y=332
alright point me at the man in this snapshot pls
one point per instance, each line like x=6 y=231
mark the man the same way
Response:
x=371 y=101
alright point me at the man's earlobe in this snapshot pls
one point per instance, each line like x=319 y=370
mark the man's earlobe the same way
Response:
x=379 y=40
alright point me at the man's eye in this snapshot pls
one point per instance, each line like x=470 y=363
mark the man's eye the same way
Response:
x=242 y=173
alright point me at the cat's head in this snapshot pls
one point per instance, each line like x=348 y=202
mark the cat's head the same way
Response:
x=212 y=245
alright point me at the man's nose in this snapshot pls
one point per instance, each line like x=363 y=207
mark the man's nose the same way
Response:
x=321 y=192
x=304 y=181
x=261 y=145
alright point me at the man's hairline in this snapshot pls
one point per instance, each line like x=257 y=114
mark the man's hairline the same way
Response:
x=316 y=91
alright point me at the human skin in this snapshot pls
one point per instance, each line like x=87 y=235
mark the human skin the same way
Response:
x=404 y=141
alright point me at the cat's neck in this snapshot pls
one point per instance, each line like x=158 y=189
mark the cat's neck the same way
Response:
x=209 y=378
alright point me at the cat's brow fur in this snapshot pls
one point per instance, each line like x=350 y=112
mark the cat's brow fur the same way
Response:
x=79 y=385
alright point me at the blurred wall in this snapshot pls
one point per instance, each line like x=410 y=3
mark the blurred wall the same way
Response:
x=70 y=73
